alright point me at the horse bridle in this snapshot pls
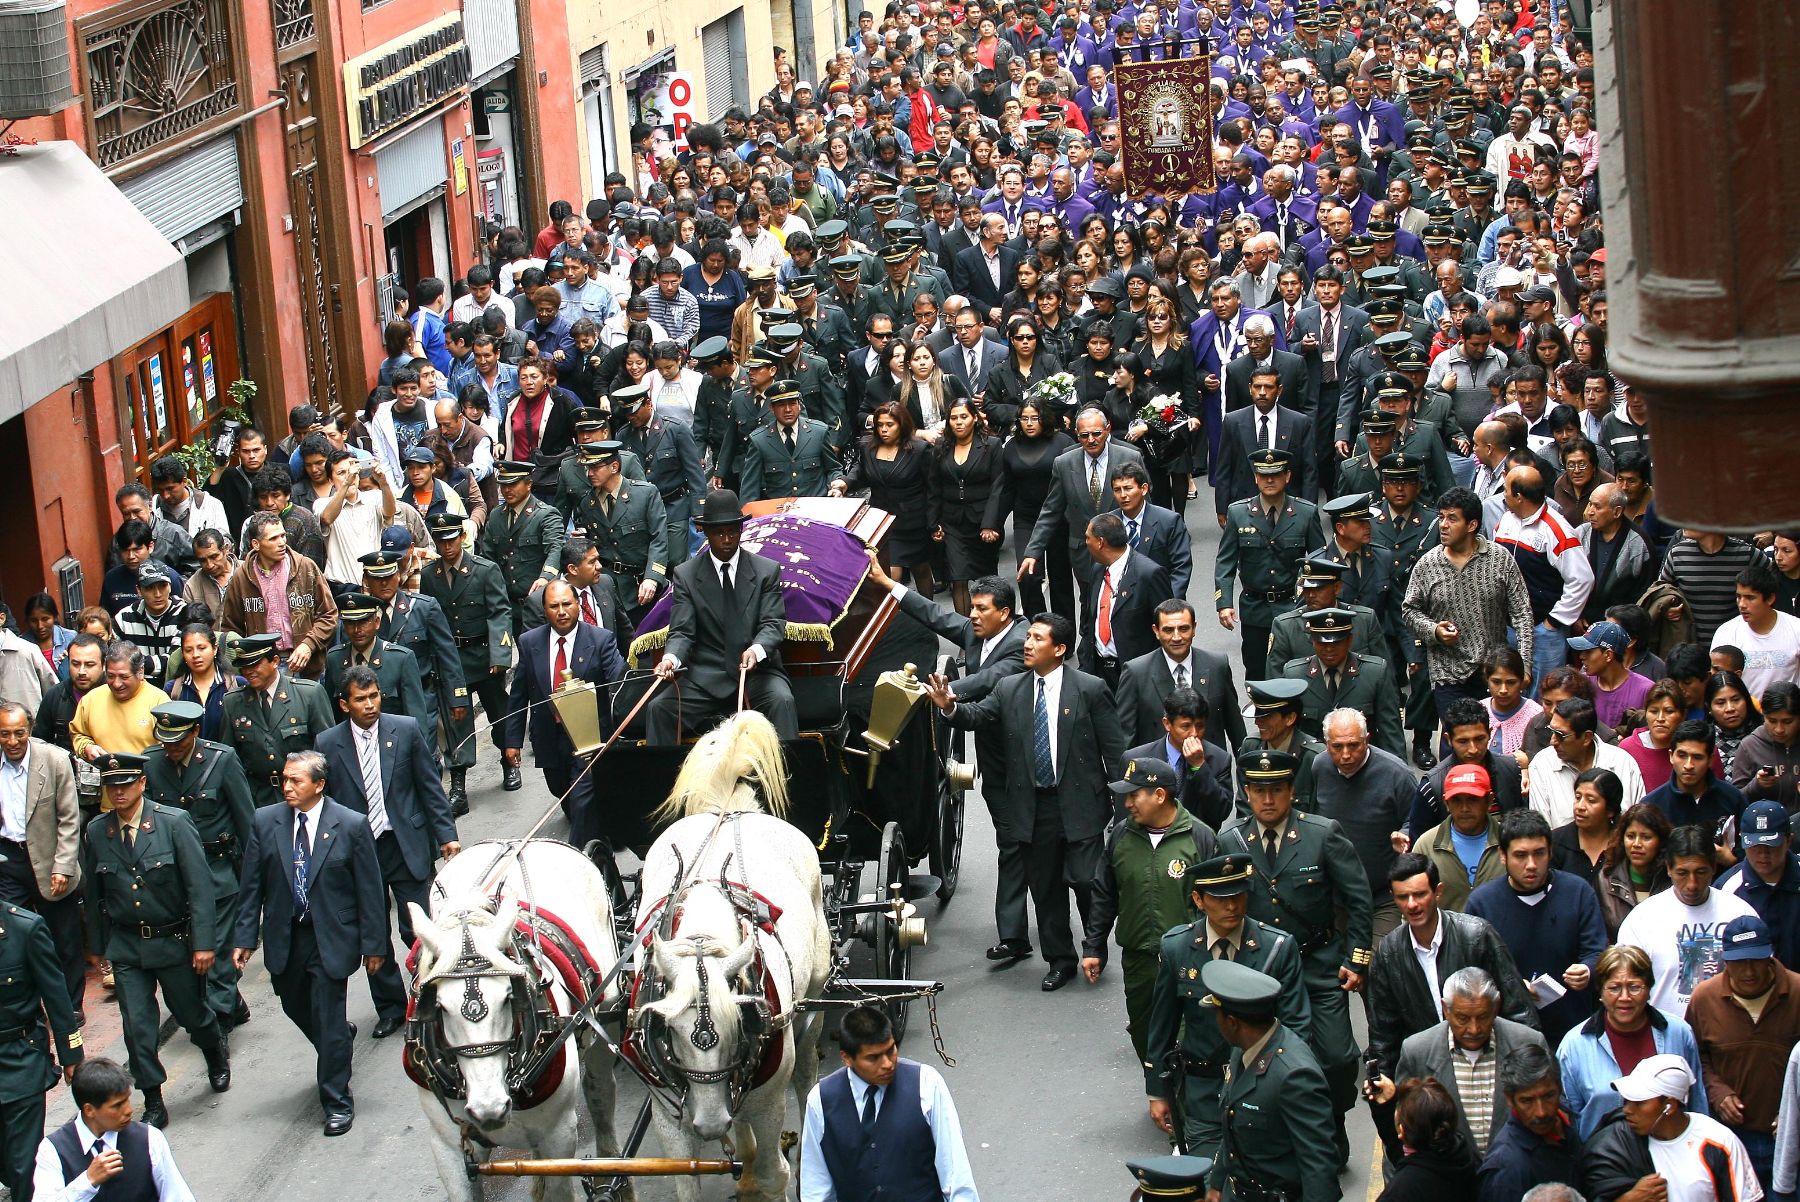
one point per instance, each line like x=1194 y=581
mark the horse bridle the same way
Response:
x=534 y=1018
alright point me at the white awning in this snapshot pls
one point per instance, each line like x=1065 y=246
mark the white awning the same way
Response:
x=96 y=277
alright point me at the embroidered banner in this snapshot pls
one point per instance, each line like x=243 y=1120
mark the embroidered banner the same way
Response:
x=1166 y=126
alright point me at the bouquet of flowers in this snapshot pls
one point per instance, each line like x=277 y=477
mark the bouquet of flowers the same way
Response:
x=1056 y=393
x=1161 y=411
x=1165 y=430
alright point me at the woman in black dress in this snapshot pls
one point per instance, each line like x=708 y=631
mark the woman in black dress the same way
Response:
x=1028 y=362
x=884 y=386
x=1169 y=371
x=893 y=466
x=1093 y=370
x=927 y=391
x=1126 y=398
x=964 y=466
x=1056 y=329
x=1020 y=493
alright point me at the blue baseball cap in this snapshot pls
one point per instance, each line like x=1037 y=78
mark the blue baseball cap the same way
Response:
x=396 y=538
x=1764 y=824
x=1609 y=635
x=1746 y=938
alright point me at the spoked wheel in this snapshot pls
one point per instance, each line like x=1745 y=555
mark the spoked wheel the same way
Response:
x=893 y=955
x=947 y=838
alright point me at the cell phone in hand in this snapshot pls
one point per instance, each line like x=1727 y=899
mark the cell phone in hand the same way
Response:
x=1371 y=1069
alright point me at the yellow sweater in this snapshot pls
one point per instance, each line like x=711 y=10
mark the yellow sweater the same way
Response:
x=100 y=719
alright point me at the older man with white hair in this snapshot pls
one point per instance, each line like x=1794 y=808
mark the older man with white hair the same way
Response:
x=1259 y=269
x=1368 y=792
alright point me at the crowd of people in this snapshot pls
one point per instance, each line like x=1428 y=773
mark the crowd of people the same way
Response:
x=1515 y=758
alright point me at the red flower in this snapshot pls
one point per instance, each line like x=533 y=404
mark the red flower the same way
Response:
x=1168 y=414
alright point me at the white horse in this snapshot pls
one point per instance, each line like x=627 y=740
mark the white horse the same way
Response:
x=471 y=983
x=721 y=853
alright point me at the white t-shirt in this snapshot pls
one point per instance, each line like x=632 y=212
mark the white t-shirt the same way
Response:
x=1768 y=658
x=1678 y=1162
x=1683 y=942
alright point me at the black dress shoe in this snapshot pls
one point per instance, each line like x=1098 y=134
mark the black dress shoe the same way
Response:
x=155 y=1113
x=337 y=1124
x=387 y=1026
x=1423 y=757
x=511 y=779
x=352 y=1027
x=1057 y=977
x=240 y=1014
x=1012 y=950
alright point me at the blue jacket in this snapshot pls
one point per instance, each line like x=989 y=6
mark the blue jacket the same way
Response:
x=1588 y=1067
x=1779 y=904
x=1518 y=1161
x=1564 y=928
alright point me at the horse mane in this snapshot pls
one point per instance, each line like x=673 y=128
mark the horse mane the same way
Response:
x=720 y=774
x=487 y=932
x=706 y=910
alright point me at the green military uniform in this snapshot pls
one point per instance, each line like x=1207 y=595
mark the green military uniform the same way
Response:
x=32 y=987
x=1282 y=696
x=711 y=401
x=633 y=539
x=211 y=787
x=472 y=594
x=1313 y=877
x=150 y=909
x=1140 y=888
x=1408 y=536
x=525 y=543
x=1361 y=682
x=896 y=298
x=1275 y=1101
x=1263 y=556
x=746 y=413
x=262 y=730
x=1288 y=638
x=572 y=482
x=401 y=677
x=857 y=305
x=1185 y=1055
x=674 y=465
x=821 y=390
x=417 y=623
x=827 y=328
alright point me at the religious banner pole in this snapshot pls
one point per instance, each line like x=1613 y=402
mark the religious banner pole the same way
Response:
x=1166 y=119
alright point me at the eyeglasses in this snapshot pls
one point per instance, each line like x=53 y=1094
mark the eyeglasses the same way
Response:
x=1557 y=736
x=1090 y=435
x=1024 y=337
x=1618 y=989
x=874 y=334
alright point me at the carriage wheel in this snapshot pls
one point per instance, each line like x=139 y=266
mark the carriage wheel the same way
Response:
x=947 y=838
x=893 y=959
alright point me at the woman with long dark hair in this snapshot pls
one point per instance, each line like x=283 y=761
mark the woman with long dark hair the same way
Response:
x=1024 y=485
x=1027 y=362
x=42 y=625
x=1636 y=864
x=1731 y=713
x=893 y=466
x=1169 y=371
x=203 y=680
x=1579 y=846
x=927 y=391
x=1056 y=329
x=965 y=464
x=1439 y=1162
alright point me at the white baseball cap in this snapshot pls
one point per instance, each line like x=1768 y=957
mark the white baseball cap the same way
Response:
x=1661 y=1076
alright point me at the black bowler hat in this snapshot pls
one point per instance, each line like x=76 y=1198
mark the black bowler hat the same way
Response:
x=721 y=508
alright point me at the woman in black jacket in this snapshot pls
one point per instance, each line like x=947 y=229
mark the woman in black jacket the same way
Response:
x=893 y=466
x=964 y=466
x=1057 y=330
x=1027 y=362
x=1169 y=371
x=1439 y=1163
x=1024 y=485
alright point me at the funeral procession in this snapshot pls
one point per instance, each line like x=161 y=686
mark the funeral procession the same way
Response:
x=608 y=602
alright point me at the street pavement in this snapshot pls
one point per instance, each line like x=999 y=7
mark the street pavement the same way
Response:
x=1050 y=1096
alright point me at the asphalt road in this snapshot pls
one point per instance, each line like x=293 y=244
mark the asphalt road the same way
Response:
x=1050 y=1095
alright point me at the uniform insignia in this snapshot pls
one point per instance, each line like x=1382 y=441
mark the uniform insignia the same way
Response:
x=74 y=1039
x=1193 y=973
x=1176 y=868
x=282 y=696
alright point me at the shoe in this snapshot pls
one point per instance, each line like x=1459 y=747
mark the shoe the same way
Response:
x=1423 y=757
x=337 y=1124
x=155 y=1113
x=239 y=1015
x=106 y=975
x=459 y=792
x=511 y=779
x=218 y=1065
x=387 y=1026
x=1057 y=977
x=81 y=1018
x=352 y=1027
x=1011 y=950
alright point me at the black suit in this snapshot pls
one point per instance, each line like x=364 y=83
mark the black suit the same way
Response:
x=1058 y=828
x=1290 y=367
x=418 y=822
x=970 y=277
x=708 y=637
x=1143 y=585
x=1145 y=681
x=601 y=596
x=1322 y=399
x=1233 y=478
x=955 y=362
x=592 y=655
x=1206 y=791
x=311 y=954
x=981 y=672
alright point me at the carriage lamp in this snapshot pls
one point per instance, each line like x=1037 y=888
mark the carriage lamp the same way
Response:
x=960 y=775
x=578 y=709
x=909 y=924
x=896 y=693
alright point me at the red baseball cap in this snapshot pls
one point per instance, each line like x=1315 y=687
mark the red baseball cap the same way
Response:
x=1467 y=780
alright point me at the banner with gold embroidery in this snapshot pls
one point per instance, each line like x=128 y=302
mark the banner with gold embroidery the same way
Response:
x=1166 y=126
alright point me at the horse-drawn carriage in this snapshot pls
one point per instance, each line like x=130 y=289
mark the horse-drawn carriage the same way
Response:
x=715 y=978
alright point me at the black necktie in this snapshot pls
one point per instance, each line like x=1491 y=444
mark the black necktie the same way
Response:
x=871 y=1108
x=1262 y=440
x=1270 y=844
x=1331 y=681
x=725 y=585
x=787 y=436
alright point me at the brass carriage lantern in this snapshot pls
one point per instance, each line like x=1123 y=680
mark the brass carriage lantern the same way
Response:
x=896 y=693
x=578 y=708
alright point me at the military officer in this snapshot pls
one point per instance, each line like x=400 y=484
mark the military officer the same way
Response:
x=825 y=327
x=821 y=389
x=1395 y=395
x=848 y=294
x=150 y=911
x=1185 y=1054
x=627 y=523
x=712 y=358
x=1359 y=373
x=1368 y=577
x=32 y=987
x=1408 y=530
x=900 y=284
x=1138 y=885
x=1337 y=677
x=523 y=537
x=273 y=714
x=417 y=623
x=1307 y=875
x=671 y=457
x=185 y=772
x=1276 y=1097
x=1265 y=539
x=1170 y=1178
x=747 y=412
x=791 y=457
x=402 y=687
x=472 y=593
x=1362 y=471
x=1276 y=713
x=1321 y=581
x=591 y=426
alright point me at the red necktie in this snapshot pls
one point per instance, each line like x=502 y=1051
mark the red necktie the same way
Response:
x=587 y=609
x=1293 y=312
x=1103 y=624
x=561 y=666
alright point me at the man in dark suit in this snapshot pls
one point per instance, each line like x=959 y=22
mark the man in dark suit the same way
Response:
x=1058 y=770
x=1326 y=357
x=381 y=766
x=596 y=600
x=973 y=355
x=1266 y=423
x=1080 y=487
x=565 y=647
x=1201 y=765
x=1144 y=682
x=311 y=891
x=726 y=626
x=1120 y=601
x=993 y=646
x=1159 y=533
x=1290 y=369
x=984 y=272
x=864 y=363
